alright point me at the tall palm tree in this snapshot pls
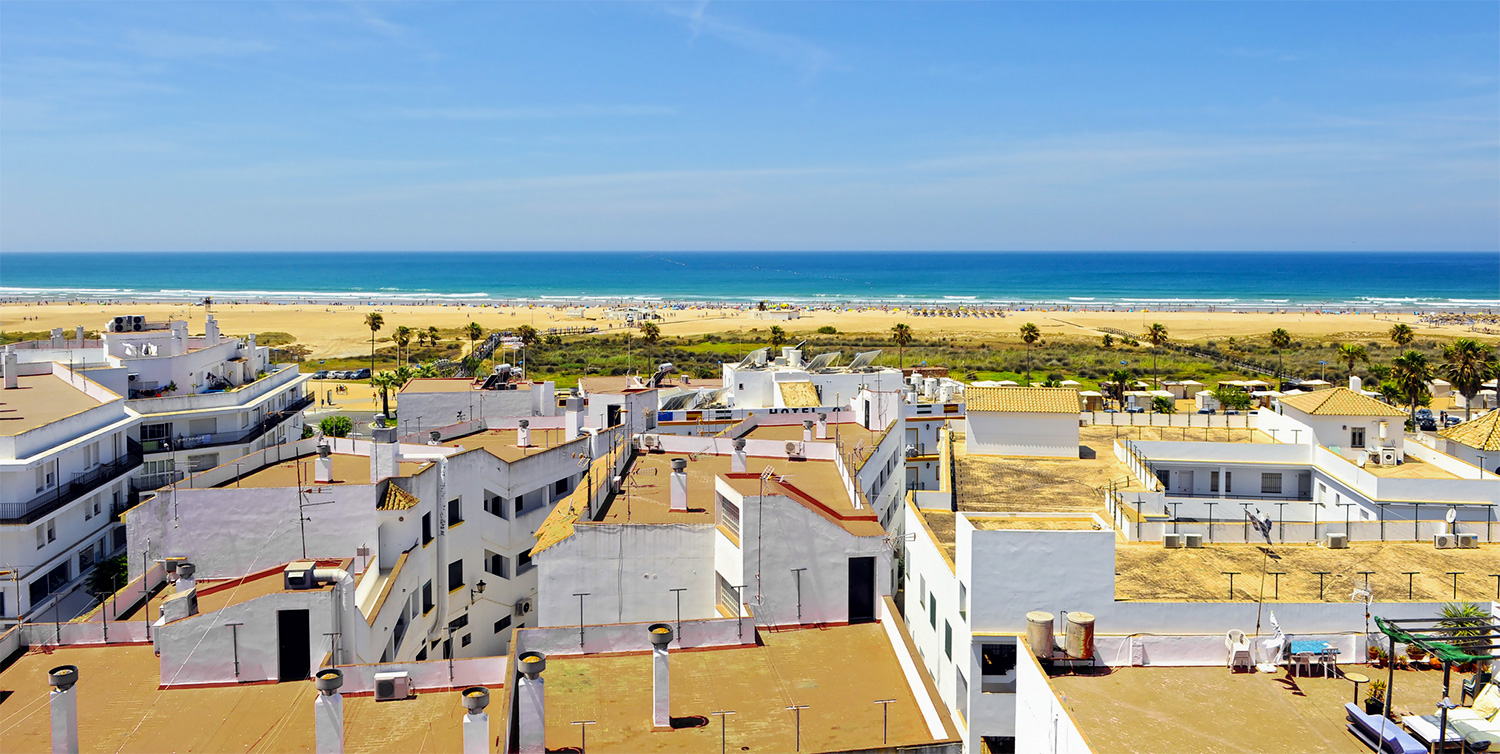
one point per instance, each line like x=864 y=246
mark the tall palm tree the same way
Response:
x=902 y=334
x=1116 y=383
x=374 y=321
x=433 y=337
x=385 y=382
x=778 y=337
x=1157 y=336
x=1411 y=373
x=1468 y=364
x=475 y=332
x=1030 y=335
x=421 y=337
x=1351 y=354
x=1401 y=334
x=529 y=338
x=403 y=339
x=1280 y=340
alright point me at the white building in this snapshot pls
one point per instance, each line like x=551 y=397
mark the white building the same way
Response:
x=1476 y=440
x=1023 y=421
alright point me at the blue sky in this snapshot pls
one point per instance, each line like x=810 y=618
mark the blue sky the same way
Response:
x=241 y=126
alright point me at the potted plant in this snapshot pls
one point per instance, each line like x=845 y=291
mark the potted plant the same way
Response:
x=1372 y=651
x=1375 y=698
x=1381 y=657
x=1416 y=654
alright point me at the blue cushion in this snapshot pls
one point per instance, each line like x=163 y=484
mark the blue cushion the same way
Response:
x=1392 y=738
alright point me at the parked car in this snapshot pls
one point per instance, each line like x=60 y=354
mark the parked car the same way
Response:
x=1452 y=420
x=1231 y=412
x=340 y=375
x=1135 y=410
x=363 y=374
x=1428 y=424
x=321 y=374
x=1205 y=411
x=1423 y=414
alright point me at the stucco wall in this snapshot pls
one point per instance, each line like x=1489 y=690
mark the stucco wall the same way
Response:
x=1023 y=434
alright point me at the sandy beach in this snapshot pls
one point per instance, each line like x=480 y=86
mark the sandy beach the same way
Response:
x=336 y=331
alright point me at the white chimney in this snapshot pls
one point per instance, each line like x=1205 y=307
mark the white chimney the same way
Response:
x=57 y=337
x=531 y=703
x=185 y=580
x=572 y=416
x=323 y=467
x=822 y=426
x=12 y=369
x=661 y=692
x=476 y=720
x=78 y=334
x=737 y=461
x=1355 y=383
x=328 y=711
x=679 y=484
x=523 y=434
x=64 y=701
x=383 y=461
x=211 y=330
x=807 y=430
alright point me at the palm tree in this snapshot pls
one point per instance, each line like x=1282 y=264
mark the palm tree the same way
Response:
x=650 y=332
x=421 y=337
x=374 y=321
x=1401 y=334
x=1030 y=335
x=1234 y=398
x=901 y=333
x=1280 y=340
x=778 y=337
x=403 y=339
x=1108 y=341
x=1468 y=364
x=385 y=382
x=529 y=337
x=433 y=337
x=1161 y=404
x=1411 y=373
x=475 y=332
x=1157 y=335
x=1351 y=354
x=1116 y=383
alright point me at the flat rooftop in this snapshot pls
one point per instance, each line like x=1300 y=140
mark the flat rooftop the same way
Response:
x=121 y=709
x=1149 y=572
x=805 y=667
x=615 y=385
x=501 y=443
x=1211 y=710
x=347 y=469
x=39 y=400
x=217 y=594
x=1012 y=484
x=850 y=433
x=450 y=385
x=1411 y=468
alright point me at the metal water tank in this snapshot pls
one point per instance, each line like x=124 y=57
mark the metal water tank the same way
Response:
x=1039 y=633
x=1079 y=640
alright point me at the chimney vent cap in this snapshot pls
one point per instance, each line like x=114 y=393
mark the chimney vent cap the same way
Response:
x=532 y=664
x=739 y=443
x=328 y=680
x=476 y=698
x=679 y=464
x=661 y=634
x=63 y=677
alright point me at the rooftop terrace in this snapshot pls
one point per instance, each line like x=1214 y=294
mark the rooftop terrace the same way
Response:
x=120 y=709
x=805 y=667
x=1202 y=710
x=38 y=401
x=850 y=433
x=347 y=469
x=1015 y=484
x=501 y=443
x=1150 y=572
x=448 y=385
x=646 y=498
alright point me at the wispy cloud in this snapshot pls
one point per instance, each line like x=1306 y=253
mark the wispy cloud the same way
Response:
x=165 y=44
x=536 y=112
x=786 y=48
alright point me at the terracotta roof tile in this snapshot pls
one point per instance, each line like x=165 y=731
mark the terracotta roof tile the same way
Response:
x=397 y=499
x=1036 y=400
x=1340 y=401
x=1481 y=434
x=799 y=394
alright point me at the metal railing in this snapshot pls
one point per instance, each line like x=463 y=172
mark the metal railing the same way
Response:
x=1299 y=497
x=184 y=442
x=81 y=485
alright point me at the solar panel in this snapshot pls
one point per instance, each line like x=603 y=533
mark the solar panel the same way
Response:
x=822 y=361
x=758 y=356
x=863 y=359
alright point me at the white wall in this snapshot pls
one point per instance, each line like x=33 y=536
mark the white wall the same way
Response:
x=794 y=537
x=629 y=571
x=1023 y=434
x=1042 y=722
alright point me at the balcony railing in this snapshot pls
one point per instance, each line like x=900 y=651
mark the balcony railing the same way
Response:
x=81 y=485
x=239 y=437
x=1299 y=497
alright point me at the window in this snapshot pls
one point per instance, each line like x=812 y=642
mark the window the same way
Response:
x=520 y=503
x=85 y=559
x=948 y=639
x=997 y=667
x=427 y=603
x=1356 y=437
x=523 y=562
x=150 y=432
x=1229 y=481
x=496 y=564
x=426 y=529
x=932 y=610
x=1322 y=492
x=1270 y=484
x=1165 y=477
x=963 y=601
x=1213 y=481
x=56 y=579
x=422 y=655
x=922 y=589
x=494 y=504
x=963 y=692
x=455 y=512
x=999 y=744
x=561 y=487
x=455 y=574
x=464 y=641
x=502 y=624
x=461 y=621
x=729 y=515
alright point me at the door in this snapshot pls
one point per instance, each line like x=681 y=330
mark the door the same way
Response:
x=861 y=590
x=613 y=419
x=1185 y=482
x=294 y=645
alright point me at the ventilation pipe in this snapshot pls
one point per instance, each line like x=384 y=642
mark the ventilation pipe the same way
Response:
x=185 y=580
x=661 y=696
x=64 y=701
x=573 y=416
x=737 y=461
x=382 y=450
x=57 y=337
x=12 y=369
x=822 y=426
x=328 y=711
x=344 y=584
x=323 y=467
x=679 y=484
x=807 y=430
x=523 y=434
x=78 y=334
x=435 y=437
x=476 y=720
x=531 y=703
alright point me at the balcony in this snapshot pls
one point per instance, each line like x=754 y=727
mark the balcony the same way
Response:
x=1300 y=496
x=238 y=437
x=81 y=485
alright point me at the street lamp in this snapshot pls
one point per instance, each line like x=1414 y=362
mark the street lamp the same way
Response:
x=476 y=590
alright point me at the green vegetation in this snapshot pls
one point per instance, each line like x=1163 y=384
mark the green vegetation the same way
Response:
x=274 y=338
x=902 y=335
x=336 y=426
x=828 y=330
x=107 y=577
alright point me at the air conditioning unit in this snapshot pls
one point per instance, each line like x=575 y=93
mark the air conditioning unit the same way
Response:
x=133 y=377
x=392 y=686
x=1171 y=541
x=523 y=607
x=1193 y=541
x=1338 y=541
x=299 y=575
x=1445 y=541
x=1468 y=541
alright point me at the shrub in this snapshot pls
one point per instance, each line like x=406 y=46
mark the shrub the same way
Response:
x=828 y=330
x=336 y=426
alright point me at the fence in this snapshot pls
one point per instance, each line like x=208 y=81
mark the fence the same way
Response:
x=1245 y=420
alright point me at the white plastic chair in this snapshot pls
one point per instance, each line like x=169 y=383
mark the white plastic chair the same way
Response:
x=1238 y=648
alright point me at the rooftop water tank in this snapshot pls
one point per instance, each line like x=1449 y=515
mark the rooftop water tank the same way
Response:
x=1079 y=641
x=1039 y=633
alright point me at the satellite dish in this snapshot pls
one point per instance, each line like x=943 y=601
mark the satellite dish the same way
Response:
x=1451 y=515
